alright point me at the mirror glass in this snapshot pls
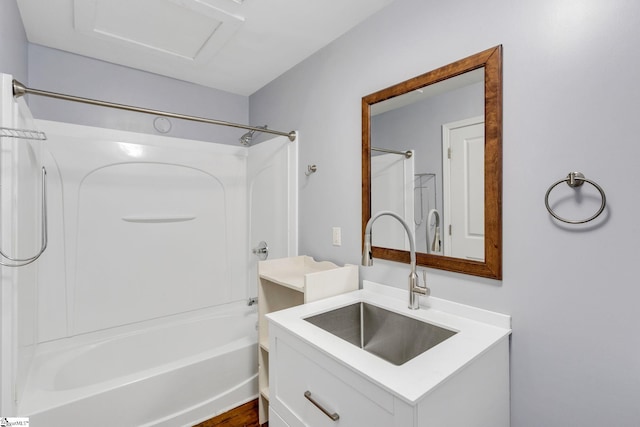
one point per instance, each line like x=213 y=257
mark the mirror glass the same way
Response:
x=432 y=154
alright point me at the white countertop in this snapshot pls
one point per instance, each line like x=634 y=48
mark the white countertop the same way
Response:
x=477 y=331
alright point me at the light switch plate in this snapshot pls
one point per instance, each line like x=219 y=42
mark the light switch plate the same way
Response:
x=337 y=236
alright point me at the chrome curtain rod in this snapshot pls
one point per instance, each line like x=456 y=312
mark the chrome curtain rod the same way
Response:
x=19 y=90
x=407 y=153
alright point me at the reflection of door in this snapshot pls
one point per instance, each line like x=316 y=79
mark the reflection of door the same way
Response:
x=273 y=205
x=391 y=190
x=463 y=187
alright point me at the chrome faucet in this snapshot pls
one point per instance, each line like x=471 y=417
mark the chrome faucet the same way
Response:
x=367 y=257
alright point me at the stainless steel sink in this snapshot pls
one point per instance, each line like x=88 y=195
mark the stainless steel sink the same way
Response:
x=391 y=336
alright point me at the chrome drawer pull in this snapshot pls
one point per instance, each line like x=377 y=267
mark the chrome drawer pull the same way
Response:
x=333 y=416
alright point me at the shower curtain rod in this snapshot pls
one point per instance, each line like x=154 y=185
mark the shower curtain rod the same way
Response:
x=19 y=90
x=407 y=153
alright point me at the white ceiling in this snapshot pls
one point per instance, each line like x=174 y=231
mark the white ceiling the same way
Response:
x=233 y=45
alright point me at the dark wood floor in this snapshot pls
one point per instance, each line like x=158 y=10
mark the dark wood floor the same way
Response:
x=242 y=416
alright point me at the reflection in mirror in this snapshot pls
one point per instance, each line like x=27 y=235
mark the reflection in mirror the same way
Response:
x=432 y=154
x=427 y=122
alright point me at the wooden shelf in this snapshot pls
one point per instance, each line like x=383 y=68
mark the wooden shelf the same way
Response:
x=293 y=272
x=287 y=282
x=264 y=392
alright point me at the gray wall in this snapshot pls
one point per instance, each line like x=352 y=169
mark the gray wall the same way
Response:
x=57 y=71
x=419 y=126
x=13 y=41
x=571 y=102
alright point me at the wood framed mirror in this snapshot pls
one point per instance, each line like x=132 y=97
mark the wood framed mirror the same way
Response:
x=432 y=153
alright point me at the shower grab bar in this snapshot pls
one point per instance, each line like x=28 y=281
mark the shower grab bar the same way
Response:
x=19 y=90
x=407 y=153
x=20 y=262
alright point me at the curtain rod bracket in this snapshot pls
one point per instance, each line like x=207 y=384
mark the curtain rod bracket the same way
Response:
x=19 y=89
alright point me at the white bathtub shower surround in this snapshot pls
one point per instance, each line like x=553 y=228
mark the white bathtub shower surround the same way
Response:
x=141 y=227
x=167 y=372
x=142 y=315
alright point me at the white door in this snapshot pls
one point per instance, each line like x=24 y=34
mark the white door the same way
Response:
x=392 y=190
x=463 y=188
x=273 y=202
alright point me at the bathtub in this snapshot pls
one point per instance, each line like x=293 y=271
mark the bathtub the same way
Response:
x=175 y=371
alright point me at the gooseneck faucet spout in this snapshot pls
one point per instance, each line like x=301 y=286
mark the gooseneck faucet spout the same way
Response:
x=367 y=257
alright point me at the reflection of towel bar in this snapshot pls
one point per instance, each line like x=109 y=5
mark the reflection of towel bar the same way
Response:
x=19 y=262
x=154 y=219
x=573 y=180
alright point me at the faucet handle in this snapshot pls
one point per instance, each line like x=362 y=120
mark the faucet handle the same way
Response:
x=427 y=291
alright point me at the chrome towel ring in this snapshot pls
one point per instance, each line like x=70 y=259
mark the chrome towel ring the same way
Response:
x=573 y=180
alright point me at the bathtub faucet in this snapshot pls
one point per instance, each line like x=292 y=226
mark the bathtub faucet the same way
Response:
x=367 y=258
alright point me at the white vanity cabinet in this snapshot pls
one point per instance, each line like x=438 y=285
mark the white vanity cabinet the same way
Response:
x=289 y=282
x=461 y=382
x=300 y=369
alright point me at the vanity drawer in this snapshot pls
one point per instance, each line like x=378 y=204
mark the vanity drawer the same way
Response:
x=355 y=401
x=275 y=420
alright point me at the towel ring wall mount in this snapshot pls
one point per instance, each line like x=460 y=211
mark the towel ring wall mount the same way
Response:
x=575 y=180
